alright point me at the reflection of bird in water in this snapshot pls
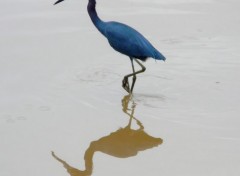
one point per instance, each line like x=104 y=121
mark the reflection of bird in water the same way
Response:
x=125 y=40
x=123 y=143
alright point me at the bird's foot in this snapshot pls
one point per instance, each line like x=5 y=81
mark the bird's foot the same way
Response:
x=125 y=84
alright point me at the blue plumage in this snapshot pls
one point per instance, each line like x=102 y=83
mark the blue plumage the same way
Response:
x=130 y=42
x=125 y=40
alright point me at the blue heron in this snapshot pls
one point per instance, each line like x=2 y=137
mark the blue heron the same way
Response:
x=125 y=40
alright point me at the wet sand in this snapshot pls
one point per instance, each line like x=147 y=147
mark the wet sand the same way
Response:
x=62 y=108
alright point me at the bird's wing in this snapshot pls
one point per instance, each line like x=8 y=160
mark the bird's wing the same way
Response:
x=128 y=41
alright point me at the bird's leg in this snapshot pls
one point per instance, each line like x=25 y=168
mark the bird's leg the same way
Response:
x=141 y=65
x=125 y=80
x=125 y=84
x=135 y=73
x=134 y=76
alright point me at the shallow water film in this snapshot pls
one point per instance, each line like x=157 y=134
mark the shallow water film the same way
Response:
x=63 y=111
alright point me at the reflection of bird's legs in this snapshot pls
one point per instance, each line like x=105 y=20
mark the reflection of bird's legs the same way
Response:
x=125 y=102
x=125 y=83
x=131 y=116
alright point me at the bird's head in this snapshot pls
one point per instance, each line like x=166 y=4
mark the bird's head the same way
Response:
x=58 y=2
x=63 y=0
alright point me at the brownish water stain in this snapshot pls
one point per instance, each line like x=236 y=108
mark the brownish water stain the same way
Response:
x=123 y=143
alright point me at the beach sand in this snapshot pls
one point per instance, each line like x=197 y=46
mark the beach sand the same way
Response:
x=62 y=107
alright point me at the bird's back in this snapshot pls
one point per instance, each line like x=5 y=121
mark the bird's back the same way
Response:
x=130 y=42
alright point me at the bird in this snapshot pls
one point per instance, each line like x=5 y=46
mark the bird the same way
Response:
x=125 y=40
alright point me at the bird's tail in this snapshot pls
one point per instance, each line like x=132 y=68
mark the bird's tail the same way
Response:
x=158 y=56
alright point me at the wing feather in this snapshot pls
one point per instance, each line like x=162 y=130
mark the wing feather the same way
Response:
x=128 y=41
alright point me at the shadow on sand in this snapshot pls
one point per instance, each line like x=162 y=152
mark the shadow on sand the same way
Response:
x=123 y=143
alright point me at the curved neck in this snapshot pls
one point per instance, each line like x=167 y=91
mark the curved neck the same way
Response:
x=94 y=16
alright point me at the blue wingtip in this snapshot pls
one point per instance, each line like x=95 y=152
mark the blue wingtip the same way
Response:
x=159 y=56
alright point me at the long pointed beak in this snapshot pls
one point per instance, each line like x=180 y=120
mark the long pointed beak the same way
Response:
x=58 y=2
